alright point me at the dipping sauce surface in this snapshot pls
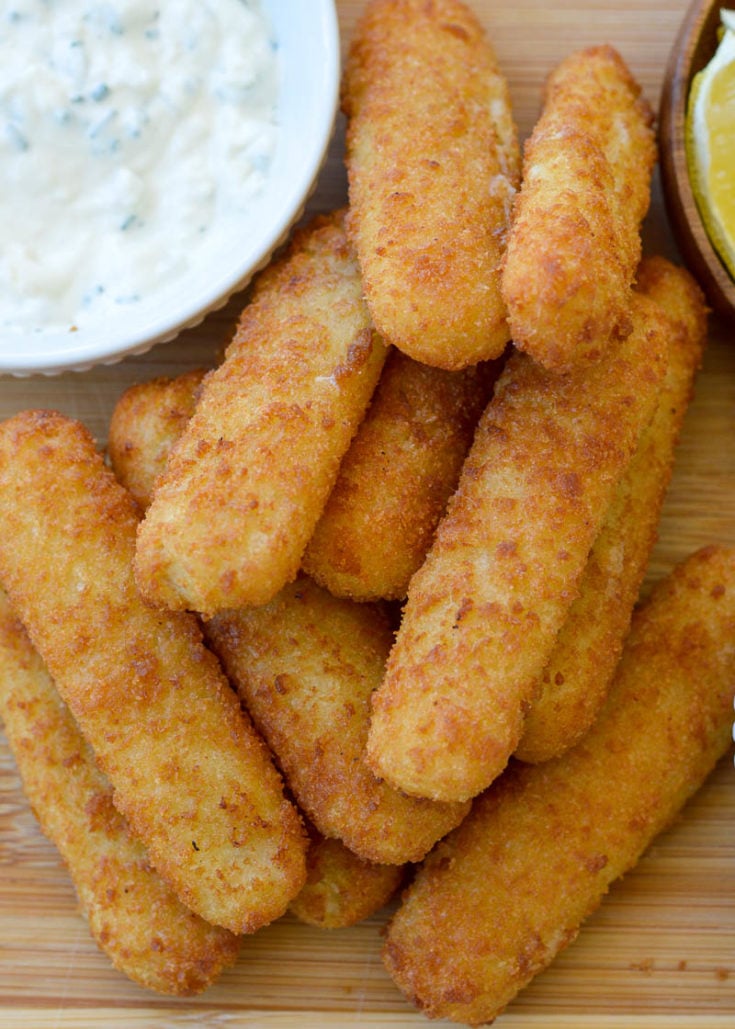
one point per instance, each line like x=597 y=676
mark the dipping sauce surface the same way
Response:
x=134 y=138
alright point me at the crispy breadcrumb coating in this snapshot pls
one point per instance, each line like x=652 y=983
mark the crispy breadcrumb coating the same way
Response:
x=341 y=888
x=146 y=421
x=575 y=241
x=395 y=480
x=433 y=163
x=248 y=479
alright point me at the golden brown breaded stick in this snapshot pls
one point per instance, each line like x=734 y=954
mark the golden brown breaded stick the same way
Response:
x=588 y=647
x=248 y=479
x=484 y=609
x=396 y=478
x=433 y=163
x=341 y=889
x=305 y=666
x=499 y=898
x=188 y=771
x=575 y=244
x=136 y=919
x=146 y=421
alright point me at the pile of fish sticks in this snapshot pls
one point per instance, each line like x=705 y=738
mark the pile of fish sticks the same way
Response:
x=355 y=610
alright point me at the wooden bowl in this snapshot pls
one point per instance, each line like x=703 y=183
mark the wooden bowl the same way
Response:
x=694 y=46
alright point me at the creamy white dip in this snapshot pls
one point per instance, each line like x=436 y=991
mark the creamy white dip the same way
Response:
x=134 y=138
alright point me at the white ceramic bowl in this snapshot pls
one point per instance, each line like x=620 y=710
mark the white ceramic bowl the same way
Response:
x=308 y=40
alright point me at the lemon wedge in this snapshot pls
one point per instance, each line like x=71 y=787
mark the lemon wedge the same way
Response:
x=710 y=143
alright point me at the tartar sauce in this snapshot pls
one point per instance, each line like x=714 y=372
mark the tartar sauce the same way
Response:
x=133 y=135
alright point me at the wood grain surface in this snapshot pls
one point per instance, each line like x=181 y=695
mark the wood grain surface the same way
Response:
x=661 y=951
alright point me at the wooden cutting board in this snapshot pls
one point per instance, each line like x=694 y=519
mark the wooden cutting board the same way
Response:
x=661 y=951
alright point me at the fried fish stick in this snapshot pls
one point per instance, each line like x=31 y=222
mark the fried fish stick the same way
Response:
x=396 y=478
x=588 y=647
x=305 y=666
x=248 y=479
x=189 y=773
x=433 y=163
x=484 y=609
x=341 y=889
x=575 y=240
x=136 y=919
x=499 y=898
x=146 y=421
